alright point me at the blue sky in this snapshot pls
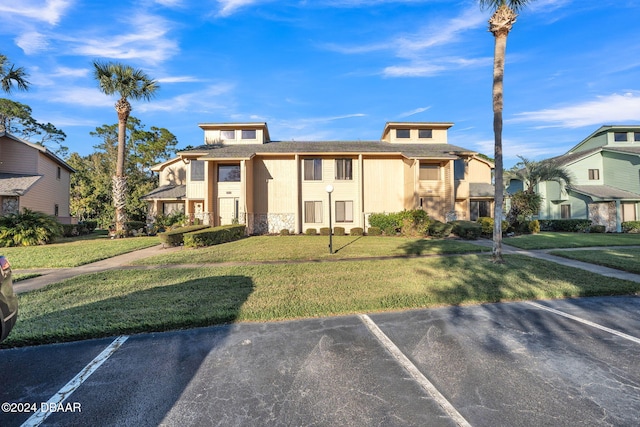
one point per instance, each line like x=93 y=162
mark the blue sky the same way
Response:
x=333 y=69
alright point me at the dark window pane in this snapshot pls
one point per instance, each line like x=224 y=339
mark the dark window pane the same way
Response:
x=425 y=133
x=229 y=173
x=403 y=133
x=197 y=170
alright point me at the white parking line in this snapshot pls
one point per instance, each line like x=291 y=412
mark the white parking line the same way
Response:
x=37 y=418
x=585 y=321
x=414 y=372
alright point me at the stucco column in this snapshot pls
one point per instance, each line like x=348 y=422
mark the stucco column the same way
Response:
x=618 y=217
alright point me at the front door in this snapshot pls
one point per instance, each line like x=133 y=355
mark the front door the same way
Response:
x=628 y=212
x=228 y=210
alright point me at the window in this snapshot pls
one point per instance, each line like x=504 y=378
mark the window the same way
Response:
x=228 y=173
x=636 y=136
x=56 y=210
x=344 y=211
x=343 y=169
x=249 y=134
x=59 y=173
x=312 y=211
x=425 y=133
x=313 y=169
x=429 y=172
x=594 y=174
x=197 y=170
x=403 y=133
x=620 y=136
x=478 y=209
x=228 y=134
x=565 y=211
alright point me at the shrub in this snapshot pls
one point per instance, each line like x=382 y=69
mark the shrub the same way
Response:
x=388 y=223
x=90 y=224
x=284 y=232
x=72 y=230
x=339 y=231
x=487 y=225
x=176 y=237
x=440 y=229
x=311 y=232
x=214 y=236
x=570 y=225
x=28 y=228
x=408 y=222
x=533 y=226
x=324 y=231
x=466 y=229
x=356 y=231
x=597 y=229
x=631 y=226
x=374 y=231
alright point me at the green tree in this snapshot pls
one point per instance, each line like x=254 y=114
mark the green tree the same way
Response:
x=10 y=76
x=532 y=173
x=129 y=83
x=500 y=24
x=28 y=228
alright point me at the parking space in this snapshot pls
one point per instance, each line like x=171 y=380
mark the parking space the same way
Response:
x=493 y=365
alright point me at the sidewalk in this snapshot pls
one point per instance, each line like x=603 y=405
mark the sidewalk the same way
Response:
x=49 y=276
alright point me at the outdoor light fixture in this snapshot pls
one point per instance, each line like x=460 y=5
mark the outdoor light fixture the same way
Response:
x=329 y=189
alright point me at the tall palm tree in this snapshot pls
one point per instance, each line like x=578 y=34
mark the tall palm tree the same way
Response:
x=531 y=173
x=10 y=75
x=500 y=24
x=129 y=83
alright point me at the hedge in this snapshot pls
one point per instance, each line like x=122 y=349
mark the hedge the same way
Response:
x=570 y=225
x=356 y=231
x=374 y=231
x=339 y=231
x=311 y=232
x=175 y=237
x=631 y=226
x=71 y=230
x=440 y=229
x=214 y=236
x=467 y=229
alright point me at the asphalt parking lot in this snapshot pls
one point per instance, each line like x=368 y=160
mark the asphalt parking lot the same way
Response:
x=512 y=364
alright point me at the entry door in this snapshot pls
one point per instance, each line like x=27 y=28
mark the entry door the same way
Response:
x=228 y=210
x=628 y=212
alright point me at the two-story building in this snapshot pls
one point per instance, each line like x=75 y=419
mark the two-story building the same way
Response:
x=605 y=188
x=33 y=177
x=241 y=175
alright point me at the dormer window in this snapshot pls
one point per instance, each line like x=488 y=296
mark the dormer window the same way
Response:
x=620 y=136
x=425 y=133
x=228 y=134
x=249 y=134
x=403 y=133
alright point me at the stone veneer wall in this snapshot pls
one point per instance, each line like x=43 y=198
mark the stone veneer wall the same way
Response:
x=604 y=214
x=271 y=223
x=10 y=205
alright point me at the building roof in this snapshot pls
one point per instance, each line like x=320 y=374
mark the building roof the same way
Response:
x=12 y=184
x=242 y=151
x=605 y=193
x=605 y=129
x=166 y=192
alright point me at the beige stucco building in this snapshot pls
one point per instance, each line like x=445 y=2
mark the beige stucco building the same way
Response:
x=33 y=177
x=240 y=175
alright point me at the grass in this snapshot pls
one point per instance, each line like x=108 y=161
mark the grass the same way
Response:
x=132 y=301
x=74 y=252
x=627 y=259
x=306 y=248
x=551 y=240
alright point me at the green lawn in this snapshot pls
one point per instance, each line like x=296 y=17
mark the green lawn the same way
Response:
x=73 y=252
x=297 y=248
x=551 y=240
x=627 y=259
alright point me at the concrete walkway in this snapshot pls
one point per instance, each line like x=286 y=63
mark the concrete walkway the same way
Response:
x=49 y=276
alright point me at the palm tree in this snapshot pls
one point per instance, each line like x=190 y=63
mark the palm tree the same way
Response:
x=500 y=23
x=533 y=173
x=128 y=83
x=10 y=75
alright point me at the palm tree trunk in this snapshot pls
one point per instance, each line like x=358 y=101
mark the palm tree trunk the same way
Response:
x=123 y=109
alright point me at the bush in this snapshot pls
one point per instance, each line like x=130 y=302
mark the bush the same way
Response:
x=533 y=226
x=408 y=222
x=597 y=229
x=214 y=236
x=176 y=237
x=466 y=229
x=570 y=225
x=339 y=231
x=374 y=231
x=631 y=226
x=311 y=232
x=90 y=224
x=487 y=225
x=324 y=231
x=284 y=232
x=28 y=228
x=72 y=230
x=440 y=229
x=356 y=231
x=388 y=223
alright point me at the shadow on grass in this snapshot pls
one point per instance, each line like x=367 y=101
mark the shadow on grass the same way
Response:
x=150 y=371
x=344 y=246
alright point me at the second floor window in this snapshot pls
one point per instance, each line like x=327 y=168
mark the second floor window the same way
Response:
x=197 y=170
x=620 y=136
x=403 y=133
x=59 y=173
x=228 y=134
x=249 y=134
x=425 y=133
x=228 y=173
x=313 y=169
x=636 y=136
x=343 y=169
x=594 y=174
x=565 y=211
x=429 y=172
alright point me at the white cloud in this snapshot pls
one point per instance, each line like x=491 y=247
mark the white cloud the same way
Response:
x=229 y=7
x=49 y=11
x=85 y=97
x=32 y=42
x=205 y=99
x=178 y=79
x=613 y=108
x=414 y=112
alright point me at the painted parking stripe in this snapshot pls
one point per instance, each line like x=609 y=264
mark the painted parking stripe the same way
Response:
x=414 y=372
x=38 y=418
x=585 y=321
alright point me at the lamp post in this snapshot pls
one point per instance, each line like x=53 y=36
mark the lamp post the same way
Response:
x=329 y=189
